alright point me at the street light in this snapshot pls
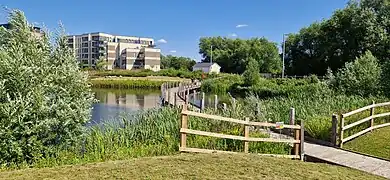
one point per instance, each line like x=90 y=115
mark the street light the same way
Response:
x=284 y=47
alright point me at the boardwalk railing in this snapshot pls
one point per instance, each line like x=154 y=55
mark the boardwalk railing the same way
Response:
x=298 y=141
x=344 y=126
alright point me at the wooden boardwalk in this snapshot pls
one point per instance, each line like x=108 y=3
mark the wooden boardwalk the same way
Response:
x=176 y=95
x=348 y=159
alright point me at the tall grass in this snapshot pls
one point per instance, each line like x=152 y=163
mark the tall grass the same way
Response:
x=152 y=133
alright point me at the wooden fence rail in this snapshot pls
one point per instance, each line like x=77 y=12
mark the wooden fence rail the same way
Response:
x=298 y=150
x=343 y=126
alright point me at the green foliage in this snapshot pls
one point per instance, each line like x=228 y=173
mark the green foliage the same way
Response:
x=101 y=64
x=126 y=84
x=44 y=98
x=251 y=74
x=361 y=77
x=319 y=127
x=221 y=85
x=145 y=73
x=177 y=63
x=231 y=54
x=362 y=25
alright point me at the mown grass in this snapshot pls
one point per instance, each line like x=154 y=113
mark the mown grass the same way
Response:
x=195 y=166
x=374 y=143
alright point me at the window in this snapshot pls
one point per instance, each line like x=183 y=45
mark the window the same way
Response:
x=70 y=40
x=93 y=61
x=95 y=56
x=84 y=56
x=84 y=39
x=85 y=50
x=70 y=46
x=85 y=61
x=95 y=38
x=85 y=45
x=95 y=43
x=95 y=50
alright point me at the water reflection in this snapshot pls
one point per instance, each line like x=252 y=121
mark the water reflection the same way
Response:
x=114 y=104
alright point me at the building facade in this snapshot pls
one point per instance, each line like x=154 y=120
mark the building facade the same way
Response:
x=37 y=31
x=207 y=67
x=123 y=52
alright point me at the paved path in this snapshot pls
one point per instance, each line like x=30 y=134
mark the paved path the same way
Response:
x=348 y=159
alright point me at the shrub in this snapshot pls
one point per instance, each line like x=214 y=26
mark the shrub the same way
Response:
x=44 y=98
x=361 y=77
x=319 y=127
x=252 y=73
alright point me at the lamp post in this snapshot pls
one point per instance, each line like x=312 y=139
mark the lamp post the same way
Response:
x=211 y=59
x=284 y=47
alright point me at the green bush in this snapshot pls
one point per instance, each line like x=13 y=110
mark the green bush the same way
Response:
x=361 y=77
x=45 y=99
x=319 y=127
x=251 y=74
x=126 y=84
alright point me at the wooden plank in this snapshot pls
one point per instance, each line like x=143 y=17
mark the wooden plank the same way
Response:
x=302 y=139
x=372 y=112
x=183 y=135
x=225 y=136
x=296 y=146
x=365 y=108
x=356 y=135
x=210 y=151
x=214 y=117
x=246 y=133
x=365 y=120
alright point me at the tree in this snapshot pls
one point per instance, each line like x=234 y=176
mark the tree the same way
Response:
x=251 y=74
x=232 y=54
x=176 y=62
x=362 y=25
x=361 y=77
x=101 y=63
x=45 y=100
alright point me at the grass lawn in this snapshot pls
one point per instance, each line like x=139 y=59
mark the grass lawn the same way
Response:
x=194 y=166
x=375 y=143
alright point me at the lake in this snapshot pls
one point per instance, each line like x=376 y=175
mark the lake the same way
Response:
x=114 y=104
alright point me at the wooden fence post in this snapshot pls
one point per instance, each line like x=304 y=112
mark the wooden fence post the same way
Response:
x=202 y=102
x=215 y=102
x=302 y=131
x=297 y=145
x=246 y=143
x=372 y=112
x=292 y=119
x=183 y=136
x=333 y=138
x=175 y=100
x=169 y=97
x=341 y=131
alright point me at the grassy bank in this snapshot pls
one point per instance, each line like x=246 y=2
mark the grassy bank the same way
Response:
x=126 y=84
x=194 y=166
x=146 y=73
x=375 y=143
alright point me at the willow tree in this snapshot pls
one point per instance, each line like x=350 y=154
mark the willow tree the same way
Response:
x=45 y=99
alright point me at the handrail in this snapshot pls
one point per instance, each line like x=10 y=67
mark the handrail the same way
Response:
x=298 y=141
x=365 y=108
x=371 y=118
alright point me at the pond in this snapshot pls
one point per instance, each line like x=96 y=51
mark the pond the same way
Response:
x=114 y=104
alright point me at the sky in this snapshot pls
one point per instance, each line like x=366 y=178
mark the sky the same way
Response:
x=177 y=25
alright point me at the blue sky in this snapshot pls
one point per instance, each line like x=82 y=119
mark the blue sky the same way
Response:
x=180 y=23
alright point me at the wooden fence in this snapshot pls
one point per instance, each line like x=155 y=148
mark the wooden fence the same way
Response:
x=343 y=126
x=298 y=141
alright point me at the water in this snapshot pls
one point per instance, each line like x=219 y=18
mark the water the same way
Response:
x=114 y=104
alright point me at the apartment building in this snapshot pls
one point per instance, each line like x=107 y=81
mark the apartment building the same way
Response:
x=37 y=31
x=123 y=52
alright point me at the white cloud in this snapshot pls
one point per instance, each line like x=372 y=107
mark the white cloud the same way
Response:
x=241 y=25
x=162 y=41
x=233 y=35
x=172 y=51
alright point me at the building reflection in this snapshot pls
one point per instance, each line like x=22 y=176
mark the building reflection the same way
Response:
x=129 y=100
